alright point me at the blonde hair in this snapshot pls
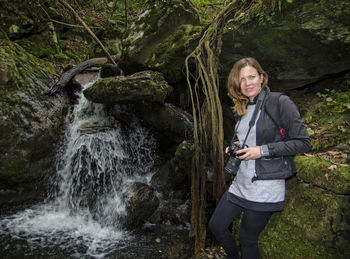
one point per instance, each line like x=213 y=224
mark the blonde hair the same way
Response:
x=233 y=85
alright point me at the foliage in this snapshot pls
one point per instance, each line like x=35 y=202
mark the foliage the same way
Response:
x=328 y=96
x=328 y=121
x=209 y=9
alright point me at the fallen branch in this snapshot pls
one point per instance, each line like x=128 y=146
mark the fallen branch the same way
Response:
x=69 y=74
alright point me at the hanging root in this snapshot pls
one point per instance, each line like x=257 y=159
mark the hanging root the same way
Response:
x=208 y=119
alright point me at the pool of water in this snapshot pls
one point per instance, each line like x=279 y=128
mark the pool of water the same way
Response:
x=36 y=233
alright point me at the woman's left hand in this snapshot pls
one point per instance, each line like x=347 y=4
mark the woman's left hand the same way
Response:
x=249 y=153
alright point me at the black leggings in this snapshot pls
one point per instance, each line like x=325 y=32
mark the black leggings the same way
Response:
x=253 y=222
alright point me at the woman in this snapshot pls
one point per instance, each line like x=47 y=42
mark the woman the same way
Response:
x=266 y=158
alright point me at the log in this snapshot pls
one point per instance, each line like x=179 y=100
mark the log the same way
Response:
x=69 y=74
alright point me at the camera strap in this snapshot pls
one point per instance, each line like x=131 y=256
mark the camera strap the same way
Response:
x=258 y=105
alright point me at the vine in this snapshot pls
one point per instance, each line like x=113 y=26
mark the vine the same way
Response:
x=207 y=116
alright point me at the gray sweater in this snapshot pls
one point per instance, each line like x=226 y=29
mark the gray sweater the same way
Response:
x=259 y=195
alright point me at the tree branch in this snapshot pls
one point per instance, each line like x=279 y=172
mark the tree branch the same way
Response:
x=89 y=30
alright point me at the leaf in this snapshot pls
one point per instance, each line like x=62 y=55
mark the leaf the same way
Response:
x=157 y=240
x=329 y=99
x=14 y=28
x=110 y=4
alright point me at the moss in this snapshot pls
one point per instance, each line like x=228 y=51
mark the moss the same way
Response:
x=316 y=171
x=38 y=45
x=168 y=56
x=139 y=87
x=328 y=122
x=312 y=225
x=183 y=155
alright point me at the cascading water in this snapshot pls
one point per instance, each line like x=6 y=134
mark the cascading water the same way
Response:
x=96 y=169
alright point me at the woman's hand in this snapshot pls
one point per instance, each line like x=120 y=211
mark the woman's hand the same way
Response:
x=237 y=143
x=249 y=153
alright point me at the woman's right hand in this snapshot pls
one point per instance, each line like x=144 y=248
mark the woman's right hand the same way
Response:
x=236 y=143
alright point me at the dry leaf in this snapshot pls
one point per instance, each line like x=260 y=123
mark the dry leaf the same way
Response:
x=333 y=153
x=323 y=129
x=341 y=128
x=157 y=240
x=332 y=167
x=309 y=155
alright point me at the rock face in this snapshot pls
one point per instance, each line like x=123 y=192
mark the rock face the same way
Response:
x=148 y=86
x=156 y=40
x=297 y=46
x=168 y=119
x=28 y=126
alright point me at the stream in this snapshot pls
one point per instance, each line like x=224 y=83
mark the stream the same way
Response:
x=96 y=168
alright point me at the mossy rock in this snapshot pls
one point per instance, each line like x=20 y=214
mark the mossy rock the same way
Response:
x=29 y=124
x=150 y=34
x=314 y=224
x=183 y=155
x=322 y=173
x=168 y=56
x=282 y=39
x=148 y=86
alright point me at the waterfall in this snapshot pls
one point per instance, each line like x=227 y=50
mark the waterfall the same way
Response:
x=96 y=168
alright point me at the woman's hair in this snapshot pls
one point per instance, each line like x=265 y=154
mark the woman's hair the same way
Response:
x=233 y=84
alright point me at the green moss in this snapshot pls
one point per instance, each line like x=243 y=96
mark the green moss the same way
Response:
x=139 y=87
x=312 y=225
x=328 y=122
x=317 y=171
x=38 y=45
x=183 y=155
x=168 y=57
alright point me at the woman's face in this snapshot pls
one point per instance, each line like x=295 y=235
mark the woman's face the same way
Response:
x=250 y=82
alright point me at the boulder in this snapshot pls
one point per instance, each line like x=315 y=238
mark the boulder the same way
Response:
x=145 y=86
x=298 y=45
x=314 y=224
x=142 y=204
x=169 y=56
x=157 y=38
x=167 y=119
x=29 y=126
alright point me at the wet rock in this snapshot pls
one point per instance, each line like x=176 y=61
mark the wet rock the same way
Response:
x=83 y=78
x=29 y=126
x=141 y=205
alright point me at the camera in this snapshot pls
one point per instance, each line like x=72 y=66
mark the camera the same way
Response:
x=234 y=162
